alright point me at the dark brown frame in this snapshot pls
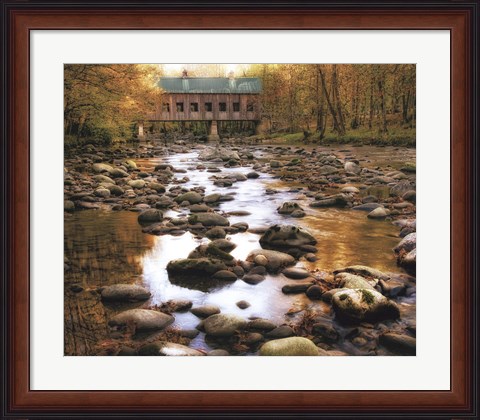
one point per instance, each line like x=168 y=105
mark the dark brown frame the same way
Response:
x=460 y=18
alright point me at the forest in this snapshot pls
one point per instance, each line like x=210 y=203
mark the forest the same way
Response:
x=371 y=103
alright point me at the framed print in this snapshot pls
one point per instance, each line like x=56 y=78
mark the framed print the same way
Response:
x=239 y=182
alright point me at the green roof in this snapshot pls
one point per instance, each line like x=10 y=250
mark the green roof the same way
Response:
x=210 y=85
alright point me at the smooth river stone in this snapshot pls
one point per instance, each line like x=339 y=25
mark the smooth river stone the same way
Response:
x=125 y=293
x=143 y=319
x=164 y=348
x=290 y=346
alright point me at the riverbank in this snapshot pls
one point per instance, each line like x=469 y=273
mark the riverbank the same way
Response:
x=190 y=233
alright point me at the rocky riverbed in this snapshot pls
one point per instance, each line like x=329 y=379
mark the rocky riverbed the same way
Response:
x=240 y=250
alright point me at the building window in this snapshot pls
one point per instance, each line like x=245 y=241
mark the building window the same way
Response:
x=250 y=107
x=179 y=106
x=208 y=107
x=194 y=107
x=236 y=107
x=222 y=106
x=166 y=107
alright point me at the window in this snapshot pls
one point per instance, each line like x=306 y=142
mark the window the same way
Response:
x=222 y=106
x=166 y=107
x=194 y=107
x=250 y=107
x=236 y=107
x=208 y=107
x=179 y=106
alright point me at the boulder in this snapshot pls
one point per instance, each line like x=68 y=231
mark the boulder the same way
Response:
x=290 y=346
x=352 y=168
x=124 y=293
x=202 y=266
x=192 y=197
x=363 y=270
x=295 y=273
x=150 y=216
x=407 y=244
x=210 y=153
x=379 y=213
x=399 y=343
x=143 y=319
x=288 y=207
x=205 y=311
x=276 y=260
x=286 y=236
x=208 y=219
x=352 y=281
x=359 y=305
x=223 y=325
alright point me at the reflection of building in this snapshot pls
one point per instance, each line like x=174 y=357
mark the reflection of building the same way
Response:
x=208 y=99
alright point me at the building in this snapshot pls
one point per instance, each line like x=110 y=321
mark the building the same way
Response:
x=209 y=99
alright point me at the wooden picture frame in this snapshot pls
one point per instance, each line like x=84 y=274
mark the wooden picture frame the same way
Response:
x=460 y=18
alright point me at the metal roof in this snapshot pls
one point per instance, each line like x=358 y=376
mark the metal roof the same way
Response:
x=210 y=85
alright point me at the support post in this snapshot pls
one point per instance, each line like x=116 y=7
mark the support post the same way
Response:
x=213 y=132
x=141 y=133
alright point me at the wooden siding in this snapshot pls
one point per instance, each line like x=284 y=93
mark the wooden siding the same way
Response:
x=202 y=115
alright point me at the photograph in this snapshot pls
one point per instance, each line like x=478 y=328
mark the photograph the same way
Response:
x=239 y=209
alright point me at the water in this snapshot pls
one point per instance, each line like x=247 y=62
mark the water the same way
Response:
x=105 y=247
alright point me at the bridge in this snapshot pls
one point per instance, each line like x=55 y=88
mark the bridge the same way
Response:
x=208 y=99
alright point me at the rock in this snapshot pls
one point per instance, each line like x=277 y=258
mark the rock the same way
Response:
x=261 y=324
x=280 y=332
x=363 y=270
x=118 y=173
x=328 y=295
x=224 y=245
x=290 y=346
x=352 y=281
x=125 y=293
x=378 y=213
x=399 y=343
x=286 y=236
x=218 y=352
x=252 y=338
x=275 y=164
x=253 y=278
x=210 y=251
x=253 y=175
x=410 y=196
x=392 y=288
x=401 y=188
x=338 y=200
x=68 y=205
x=314 y=292
x=407 y=244
x=295 y=273
x=276 y=260
x=115 y=190
x=215 y=233
x=137 y=183
x=223 y=325
x=326 y=330
x=352 y=168
x=350 y=190
x=159 y=188
x=212 y=198
x=260 y=260
x=298 y=214
x=208 y=219
x=259 y=269
x=143 y=319
x=288 y=207
x=164 y=348
x=367 y=207
x=243 y=304
x=310 y=257
x=359 y=305
x=101 y=167
x=409 y=260
x=150 y=216
x=293 y=288
x=102 y=192
x=202 y=266
x=225 y=275
x=199 y=208
x=210 y=153
x=192 y=197
x=179 y=305
x=205 y=311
